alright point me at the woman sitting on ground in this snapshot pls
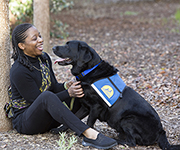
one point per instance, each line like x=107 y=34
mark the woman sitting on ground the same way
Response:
x=36 y=96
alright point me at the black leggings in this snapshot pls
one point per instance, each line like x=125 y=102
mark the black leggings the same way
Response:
x=47 y=112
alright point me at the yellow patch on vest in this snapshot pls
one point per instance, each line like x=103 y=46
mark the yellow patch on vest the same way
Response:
x=107 y=90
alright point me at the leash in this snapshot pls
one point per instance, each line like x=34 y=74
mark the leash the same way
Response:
x=72 y=100
x=71 y=104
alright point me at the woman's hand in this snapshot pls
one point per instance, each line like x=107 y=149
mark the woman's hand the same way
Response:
x=75 y=90
x=68 y=84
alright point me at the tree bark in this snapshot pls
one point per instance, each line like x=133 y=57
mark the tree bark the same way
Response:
x=5 y=123
x=41 y=20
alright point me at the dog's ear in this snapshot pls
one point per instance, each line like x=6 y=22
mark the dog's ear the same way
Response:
x=85 y=55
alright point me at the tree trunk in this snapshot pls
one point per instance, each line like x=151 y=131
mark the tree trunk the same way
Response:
x=41 y=21
x=5 y=124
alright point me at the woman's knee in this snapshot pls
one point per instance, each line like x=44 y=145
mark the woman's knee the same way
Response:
x=47 y=94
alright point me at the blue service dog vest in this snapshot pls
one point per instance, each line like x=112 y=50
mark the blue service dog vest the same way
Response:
x=109 y=89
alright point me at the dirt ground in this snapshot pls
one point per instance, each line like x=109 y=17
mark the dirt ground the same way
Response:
x=142 y=40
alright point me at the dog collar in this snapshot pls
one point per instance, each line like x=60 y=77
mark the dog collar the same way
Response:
x=82 y=74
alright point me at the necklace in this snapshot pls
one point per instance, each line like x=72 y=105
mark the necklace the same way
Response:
x=41 y=66
x=36 y=68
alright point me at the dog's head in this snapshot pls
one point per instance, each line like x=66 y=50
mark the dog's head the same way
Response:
x=78 y=54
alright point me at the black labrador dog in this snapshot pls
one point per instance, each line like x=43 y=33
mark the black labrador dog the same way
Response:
x=130 y=115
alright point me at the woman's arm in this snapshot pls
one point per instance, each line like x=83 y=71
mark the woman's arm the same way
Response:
x=23 y=86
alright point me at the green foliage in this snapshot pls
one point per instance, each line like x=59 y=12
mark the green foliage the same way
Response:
x=175 y=30
x=177 y=18
x=130 y=13
x=66 y=143
x=21 y=8
x=59 y=30
x=58 y=5
x=177 y=15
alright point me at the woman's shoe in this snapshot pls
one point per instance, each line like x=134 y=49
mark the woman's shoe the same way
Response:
x=101 y=142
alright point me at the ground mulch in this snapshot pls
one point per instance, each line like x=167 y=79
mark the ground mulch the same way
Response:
x=142 y=40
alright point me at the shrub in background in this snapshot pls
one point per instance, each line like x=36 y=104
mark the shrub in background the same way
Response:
x=22 y=11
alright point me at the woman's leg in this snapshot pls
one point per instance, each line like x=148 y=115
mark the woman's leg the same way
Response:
x=77 y=110
x=47 y=108
x=44 y=110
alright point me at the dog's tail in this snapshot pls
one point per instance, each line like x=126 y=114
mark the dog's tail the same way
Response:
x=164 y=144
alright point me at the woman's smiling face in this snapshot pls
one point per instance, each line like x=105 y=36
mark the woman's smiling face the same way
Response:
x=33 y=45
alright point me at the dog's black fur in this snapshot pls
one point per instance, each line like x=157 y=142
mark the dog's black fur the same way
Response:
x=132 y=116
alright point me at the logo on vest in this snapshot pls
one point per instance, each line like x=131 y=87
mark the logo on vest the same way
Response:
x=108 y=91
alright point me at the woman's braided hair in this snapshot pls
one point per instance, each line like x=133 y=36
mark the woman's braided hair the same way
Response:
x=18 y=36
